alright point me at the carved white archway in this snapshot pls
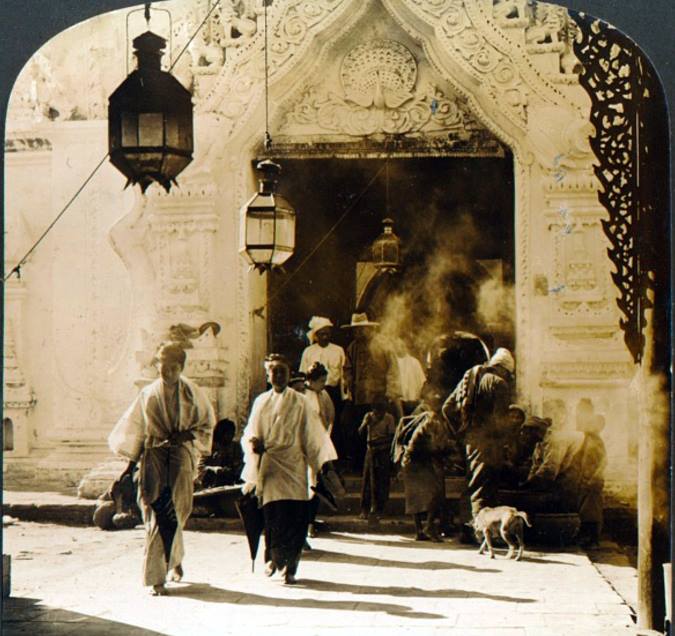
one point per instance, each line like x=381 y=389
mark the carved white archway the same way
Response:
x=498 y=57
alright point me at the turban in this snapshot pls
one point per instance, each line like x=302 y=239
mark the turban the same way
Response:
x=503 y=358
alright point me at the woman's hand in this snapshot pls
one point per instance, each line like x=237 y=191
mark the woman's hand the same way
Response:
x=180 y=437
x=248 y=488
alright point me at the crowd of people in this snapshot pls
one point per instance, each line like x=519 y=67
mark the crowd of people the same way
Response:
x=371 y=408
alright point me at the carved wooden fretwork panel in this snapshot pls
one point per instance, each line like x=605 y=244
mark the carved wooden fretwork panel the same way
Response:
x=622 y=88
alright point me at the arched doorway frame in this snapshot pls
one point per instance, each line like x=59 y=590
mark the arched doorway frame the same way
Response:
x=545 y=125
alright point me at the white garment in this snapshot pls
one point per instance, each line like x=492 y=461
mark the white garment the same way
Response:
x=322 y=406
x=332 y=357
x=294 y=440
x=146 y=422
x=412 y=378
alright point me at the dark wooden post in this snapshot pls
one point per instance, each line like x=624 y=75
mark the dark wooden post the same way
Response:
x=653 y=490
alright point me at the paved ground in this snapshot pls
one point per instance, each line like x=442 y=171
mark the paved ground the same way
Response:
x=83 y=581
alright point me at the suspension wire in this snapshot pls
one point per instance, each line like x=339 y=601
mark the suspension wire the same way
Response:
x=386 y=186
x=194 y=35
x=17 y=268
x=268 y=138
x=313 y=251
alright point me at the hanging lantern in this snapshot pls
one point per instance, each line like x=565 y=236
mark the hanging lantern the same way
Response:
x=150 y=134
x=267 y=223
x=386 y=249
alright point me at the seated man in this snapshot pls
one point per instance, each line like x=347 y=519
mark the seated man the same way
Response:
x=116 y=509
x=223 y=466
x=555 y=463
x=523 y=436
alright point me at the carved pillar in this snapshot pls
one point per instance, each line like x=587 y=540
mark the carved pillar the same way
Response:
x=18 y=398
x=168 y=243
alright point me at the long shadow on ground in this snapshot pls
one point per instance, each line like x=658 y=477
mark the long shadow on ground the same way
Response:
x=415 y=592
x=445 y=546
x=211 y=594
x=24 y=616
x=358 y=559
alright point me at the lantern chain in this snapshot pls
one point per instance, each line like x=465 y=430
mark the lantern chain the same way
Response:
x=324 y=238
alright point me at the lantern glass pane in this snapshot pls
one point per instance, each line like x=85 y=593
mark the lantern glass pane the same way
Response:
x=150 y=129
x=390 y=252
x=259 y=230
x=285 y=230
x=129 y=130
x=172 y=132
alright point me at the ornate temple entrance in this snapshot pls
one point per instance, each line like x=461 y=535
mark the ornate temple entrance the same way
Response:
x=454 y=216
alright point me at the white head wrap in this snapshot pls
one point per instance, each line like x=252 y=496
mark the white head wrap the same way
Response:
x=503 y=358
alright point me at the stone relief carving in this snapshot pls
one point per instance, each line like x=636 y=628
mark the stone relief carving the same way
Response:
x=381 y=73
x=38 y=95
x=554 y=373
x=239 y=85
x=578 y=252
x=380 y=96
x=512 y=10
x=17 y=393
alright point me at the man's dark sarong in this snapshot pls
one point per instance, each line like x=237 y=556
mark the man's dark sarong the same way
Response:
x=286 y=524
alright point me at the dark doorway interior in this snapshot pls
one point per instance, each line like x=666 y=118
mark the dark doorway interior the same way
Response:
x=455 y=218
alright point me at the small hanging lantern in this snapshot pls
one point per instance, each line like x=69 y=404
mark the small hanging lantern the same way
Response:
x=150 y=135
x=267 y=223
x=386 y=249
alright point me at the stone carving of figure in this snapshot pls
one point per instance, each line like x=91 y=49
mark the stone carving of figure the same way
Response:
x=569 y=64
x=548 y=25
x=239 y=20
x=184 y=334
x=510 y=9
x=46 y=93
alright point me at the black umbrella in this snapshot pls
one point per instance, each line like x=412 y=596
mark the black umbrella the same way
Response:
x=328 y=488
x=254 y=522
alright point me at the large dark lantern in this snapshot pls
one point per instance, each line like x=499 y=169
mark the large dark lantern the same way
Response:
x=150 y=120
x=267 y=223
x=386 y=249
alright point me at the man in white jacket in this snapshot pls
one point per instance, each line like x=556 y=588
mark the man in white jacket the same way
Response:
x=283 y=438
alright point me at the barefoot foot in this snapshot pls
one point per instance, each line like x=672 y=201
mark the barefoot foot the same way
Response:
x=177 y=573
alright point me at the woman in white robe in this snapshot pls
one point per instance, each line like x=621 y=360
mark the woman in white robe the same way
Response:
x=167 y=427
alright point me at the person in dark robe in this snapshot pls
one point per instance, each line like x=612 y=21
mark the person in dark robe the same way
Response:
x=477 y=411
x=166 y=429
x=223 y=466
x=593 y=461
x=422 y=444
x=371 y=370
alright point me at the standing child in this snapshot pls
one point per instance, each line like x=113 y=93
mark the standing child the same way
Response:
x=592 y=464
x=379 y=427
